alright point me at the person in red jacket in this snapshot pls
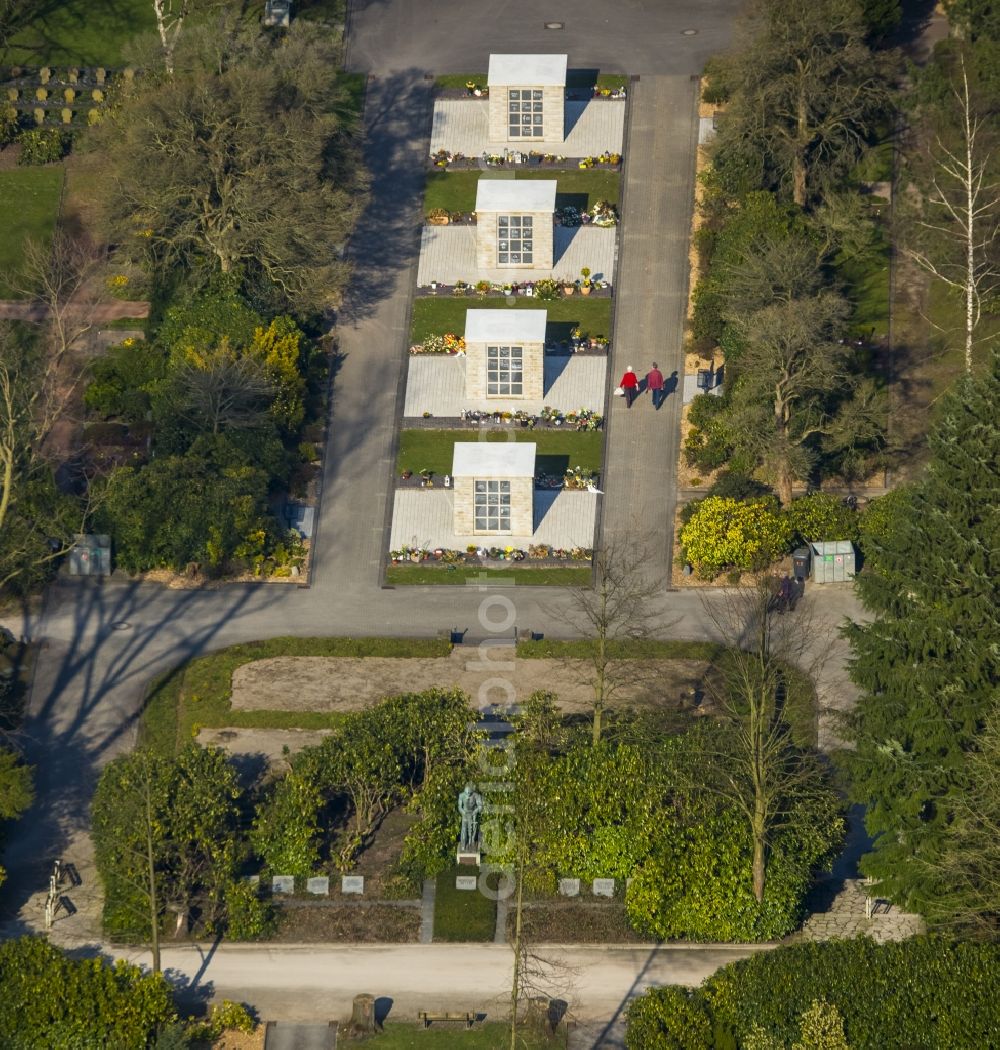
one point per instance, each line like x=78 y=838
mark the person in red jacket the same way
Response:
x=630 y=385
x=654 y=384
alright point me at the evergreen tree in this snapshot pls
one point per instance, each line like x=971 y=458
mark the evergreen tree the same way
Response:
x=929 y=663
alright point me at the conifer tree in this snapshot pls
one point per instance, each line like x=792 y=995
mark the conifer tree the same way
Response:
x=929 y=663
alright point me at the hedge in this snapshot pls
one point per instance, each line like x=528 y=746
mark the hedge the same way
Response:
x=920 y=994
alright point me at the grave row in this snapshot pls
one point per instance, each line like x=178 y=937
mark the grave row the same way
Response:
x=567 y=887
x=318 y=885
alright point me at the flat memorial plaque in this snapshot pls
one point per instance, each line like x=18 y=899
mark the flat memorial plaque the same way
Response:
x=466 y=882
x=604 y=887
x=569 y=887
x=352 y=884
x=318 y=885
x=282 y=883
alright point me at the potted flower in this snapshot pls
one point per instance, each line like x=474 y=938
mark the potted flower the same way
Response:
x=585 y=284
x=483 y=287
x=568 y=287
x=407 y=474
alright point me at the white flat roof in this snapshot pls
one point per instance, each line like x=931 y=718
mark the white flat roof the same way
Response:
x=505 y=326
x=494 y=459
x=527 y=71
x=516 y=195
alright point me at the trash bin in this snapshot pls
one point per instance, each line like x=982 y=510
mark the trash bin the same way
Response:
x=801 y=559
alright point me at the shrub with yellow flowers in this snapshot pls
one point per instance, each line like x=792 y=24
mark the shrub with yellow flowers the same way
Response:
x=735 y=534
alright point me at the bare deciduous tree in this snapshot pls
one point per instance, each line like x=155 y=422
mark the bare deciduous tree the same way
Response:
x=39 y=373
x=763 y=772
x=969 y=209
x=615 y=610
x=169 y=22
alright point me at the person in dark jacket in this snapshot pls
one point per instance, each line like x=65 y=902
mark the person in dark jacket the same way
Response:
x=630 y=385
x=654 y=384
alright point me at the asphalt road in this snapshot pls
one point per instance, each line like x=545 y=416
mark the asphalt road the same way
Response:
x=452 y=36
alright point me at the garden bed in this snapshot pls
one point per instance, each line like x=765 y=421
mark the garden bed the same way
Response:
x=350 y=923
x=571 y=921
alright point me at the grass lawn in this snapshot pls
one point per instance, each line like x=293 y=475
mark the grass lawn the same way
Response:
x=29 y=203
x=867 y=283
x=456 y=190
x=455 y=1036
x=462 y=915
x=80 y=33
x=575 y=78
x=576 y=575
x=437 y=314
x=558 y=450
x=197 y=694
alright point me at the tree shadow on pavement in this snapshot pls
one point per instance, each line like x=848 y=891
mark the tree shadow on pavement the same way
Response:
x=386 y=242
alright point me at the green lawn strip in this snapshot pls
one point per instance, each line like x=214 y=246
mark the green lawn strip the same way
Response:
x=457 y=575
x=454 y=1036
x=29 y=203
x=455 y=191
x=437 y=314
x=558 y=450
x=198 y=693
x=459 y=80
x=462 y=915
x=867 y=281
x=625 y=649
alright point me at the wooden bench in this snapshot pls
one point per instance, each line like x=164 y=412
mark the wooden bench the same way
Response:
x=427 y=1018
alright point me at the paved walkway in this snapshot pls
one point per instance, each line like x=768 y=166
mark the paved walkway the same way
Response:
x=591 y=128
x=448 y=255
x=26 y=310
x=316 y=982
x=651 y=287
x=436 y=383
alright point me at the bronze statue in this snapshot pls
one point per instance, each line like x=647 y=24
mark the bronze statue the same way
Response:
x=470 y=805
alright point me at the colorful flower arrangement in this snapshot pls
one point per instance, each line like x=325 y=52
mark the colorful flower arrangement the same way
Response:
x=449 y=343
x=472 y=553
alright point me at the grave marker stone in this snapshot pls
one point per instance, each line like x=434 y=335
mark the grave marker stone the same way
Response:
x=569 y=887
x=318 y=885
x=466 y=882
x=282 y=883
x=603 y=888
x=352 y=884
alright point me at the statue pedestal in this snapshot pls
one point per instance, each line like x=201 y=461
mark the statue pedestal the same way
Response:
x=467 y=857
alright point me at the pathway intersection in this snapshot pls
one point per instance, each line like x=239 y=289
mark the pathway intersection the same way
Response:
x=103 y=642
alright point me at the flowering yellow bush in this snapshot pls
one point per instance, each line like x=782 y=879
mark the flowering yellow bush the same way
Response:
x=734 y=534
x=277 y=348
x=118 y=280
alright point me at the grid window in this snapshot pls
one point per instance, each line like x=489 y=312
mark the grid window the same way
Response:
x=524 y=114
x=515 y=246
x=492 y=506
x=504 y=371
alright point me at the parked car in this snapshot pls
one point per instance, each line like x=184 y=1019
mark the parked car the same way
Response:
x=277 y=13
